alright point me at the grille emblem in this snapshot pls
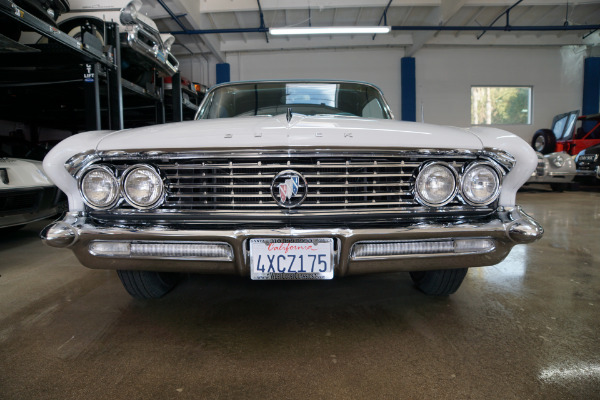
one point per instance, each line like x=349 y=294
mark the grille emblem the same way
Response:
x=289 y=188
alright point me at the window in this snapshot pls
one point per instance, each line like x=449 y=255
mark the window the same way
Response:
x=497 y=105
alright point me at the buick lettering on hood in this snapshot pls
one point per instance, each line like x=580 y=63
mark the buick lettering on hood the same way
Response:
x=291 y=180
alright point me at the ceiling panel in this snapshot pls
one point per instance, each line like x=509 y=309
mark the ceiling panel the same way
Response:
x=226 y=15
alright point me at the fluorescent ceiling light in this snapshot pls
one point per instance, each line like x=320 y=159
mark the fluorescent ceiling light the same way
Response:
x=329 y=30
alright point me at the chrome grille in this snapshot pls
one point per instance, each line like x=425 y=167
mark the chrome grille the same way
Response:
x=541 y=167
x=337 y=183
x=342 y=182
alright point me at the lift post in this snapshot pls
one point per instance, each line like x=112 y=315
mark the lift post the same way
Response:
x=115 y=91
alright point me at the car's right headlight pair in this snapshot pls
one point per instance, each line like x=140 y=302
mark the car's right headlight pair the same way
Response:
x=140 y=185
x=438 y=183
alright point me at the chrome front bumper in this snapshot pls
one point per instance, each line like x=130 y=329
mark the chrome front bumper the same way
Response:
x=589 y=172
x=509 y=227
x=162 y=59
x=552 y=177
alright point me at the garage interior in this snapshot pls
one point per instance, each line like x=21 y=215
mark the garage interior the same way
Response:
x=527 y=328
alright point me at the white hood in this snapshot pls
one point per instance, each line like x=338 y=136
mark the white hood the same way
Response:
x=301 y=131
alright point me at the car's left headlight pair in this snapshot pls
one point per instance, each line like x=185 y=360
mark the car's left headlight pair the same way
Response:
x=140 y=185
x=438 y=183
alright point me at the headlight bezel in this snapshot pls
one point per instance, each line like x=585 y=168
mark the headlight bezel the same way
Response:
x=449 y=198
x=126 y=196
x=558 y=161
x=496 y=194
x=128 y=14
x=85 y=172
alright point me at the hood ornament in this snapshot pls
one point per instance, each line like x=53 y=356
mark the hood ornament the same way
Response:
x=288 y=115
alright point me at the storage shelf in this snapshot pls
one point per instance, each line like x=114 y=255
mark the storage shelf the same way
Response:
x=86 y=52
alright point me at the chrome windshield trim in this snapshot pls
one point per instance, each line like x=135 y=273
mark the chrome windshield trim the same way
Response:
x=212 y=90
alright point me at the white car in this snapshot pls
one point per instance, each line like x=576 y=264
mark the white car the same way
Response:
x=292 y=180
x=557 y=169
x=26 y=193
x=140 y=39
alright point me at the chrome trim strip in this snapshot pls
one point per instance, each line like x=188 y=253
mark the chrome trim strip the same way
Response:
x=232 y=214
x=267 y=187
x=313 y=195
x=293 y=166
x=79 y=161
x=560 y=173
x=502 y=157
x=178 y=154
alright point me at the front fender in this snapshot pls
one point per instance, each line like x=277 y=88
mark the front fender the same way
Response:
x=54 y=163
x=526 y=159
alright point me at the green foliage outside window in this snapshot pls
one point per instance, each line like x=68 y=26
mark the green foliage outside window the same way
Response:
x=496 y=105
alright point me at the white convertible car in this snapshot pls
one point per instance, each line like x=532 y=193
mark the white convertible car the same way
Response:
x=291 y=180
x=557 y=169
x=26 y=194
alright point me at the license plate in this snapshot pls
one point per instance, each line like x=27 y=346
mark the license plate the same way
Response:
x=291 y=259
x=588 y=157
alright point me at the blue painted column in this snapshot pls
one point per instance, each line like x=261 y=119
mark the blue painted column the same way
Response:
x=408 y=89
x=591 y=86
x=591 y=90
x=223 y=73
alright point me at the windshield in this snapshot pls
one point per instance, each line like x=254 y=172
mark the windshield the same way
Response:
x=563 y=124
x=307 y=98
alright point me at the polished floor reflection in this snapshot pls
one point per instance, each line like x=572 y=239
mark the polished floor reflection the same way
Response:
x=528 y=328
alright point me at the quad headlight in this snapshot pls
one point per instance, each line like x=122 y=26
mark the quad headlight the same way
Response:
x=99 y=187
x=480 y=184
x=142 y=186
x=436 y=184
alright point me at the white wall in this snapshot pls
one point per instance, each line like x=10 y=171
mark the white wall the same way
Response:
x=379 y=67
x=444 y=76
x=198 y=69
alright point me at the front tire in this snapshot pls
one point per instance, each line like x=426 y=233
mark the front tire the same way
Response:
x=440 y=282
x=148 y=284
x=559 y=187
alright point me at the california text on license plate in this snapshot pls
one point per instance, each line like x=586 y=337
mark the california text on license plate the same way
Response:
x=291 y=259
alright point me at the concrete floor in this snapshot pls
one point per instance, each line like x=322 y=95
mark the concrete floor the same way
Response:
x=528 y=328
